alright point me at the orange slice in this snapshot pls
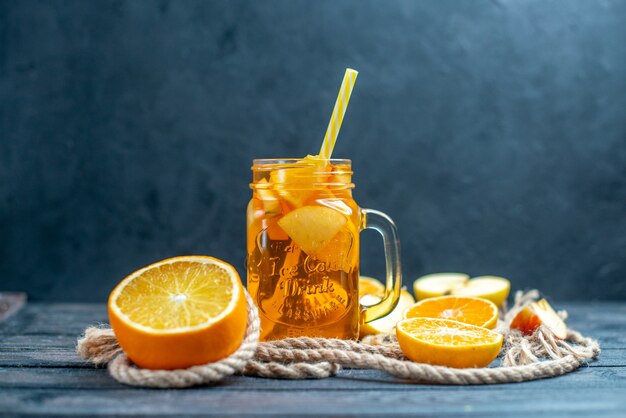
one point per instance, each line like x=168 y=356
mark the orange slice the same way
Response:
x=312 y=227
x=179 y=312
x=448 y=343
x=473 y=311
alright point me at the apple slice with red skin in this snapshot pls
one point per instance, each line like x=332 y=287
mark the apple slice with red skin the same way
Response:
x=532 y=316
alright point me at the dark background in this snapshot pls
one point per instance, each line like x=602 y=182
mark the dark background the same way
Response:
x=493 y=132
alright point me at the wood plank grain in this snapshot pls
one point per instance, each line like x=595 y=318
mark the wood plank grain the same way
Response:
x=55 y=319
x=610 y=378
x=412 y=401
x=41 y=374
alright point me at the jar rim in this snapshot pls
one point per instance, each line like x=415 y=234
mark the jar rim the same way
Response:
x=314 y=175
x=272 y=161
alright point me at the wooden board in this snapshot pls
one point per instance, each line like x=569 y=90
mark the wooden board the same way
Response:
x=41 y=374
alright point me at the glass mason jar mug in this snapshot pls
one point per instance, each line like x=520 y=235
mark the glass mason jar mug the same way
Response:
x=303 y=250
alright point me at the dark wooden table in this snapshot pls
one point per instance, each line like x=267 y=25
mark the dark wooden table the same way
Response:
x=41 y=374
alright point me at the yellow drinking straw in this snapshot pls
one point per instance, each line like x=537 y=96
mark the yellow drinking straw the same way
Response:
x=341 y=104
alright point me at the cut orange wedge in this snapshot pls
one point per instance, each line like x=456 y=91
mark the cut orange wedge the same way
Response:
x=312 y=227
x=179 y=312
x=473 y=311
x=447 y=343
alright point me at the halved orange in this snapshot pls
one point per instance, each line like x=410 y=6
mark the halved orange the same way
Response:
x=448 y=343
x=473 y=311
x=179 y=312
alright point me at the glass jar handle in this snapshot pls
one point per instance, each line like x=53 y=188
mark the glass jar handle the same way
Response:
x=373 y=219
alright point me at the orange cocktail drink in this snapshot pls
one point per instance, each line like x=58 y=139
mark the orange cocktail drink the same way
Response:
x=303 y=243
x=303 y=248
